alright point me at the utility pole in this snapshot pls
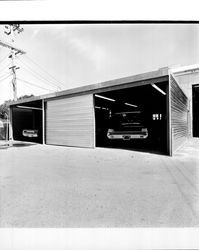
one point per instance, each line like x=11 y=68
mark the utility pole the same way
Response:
x=10 y=30
x=13 y=68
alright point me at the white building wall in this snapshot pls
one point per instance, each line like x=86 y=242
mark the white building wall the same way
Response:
x=186 y=80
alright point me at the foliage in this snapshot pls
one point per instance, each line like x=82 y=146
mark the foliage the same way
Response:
x=24 y=97
x=4 y=107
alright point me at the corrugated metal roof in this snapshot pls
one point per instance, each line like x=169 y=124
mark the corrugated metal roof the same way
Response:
x=103 y=85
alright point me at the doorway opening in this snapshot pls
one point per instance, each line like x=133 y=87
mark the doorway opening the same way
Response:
x=195 y=98
x=133 y=118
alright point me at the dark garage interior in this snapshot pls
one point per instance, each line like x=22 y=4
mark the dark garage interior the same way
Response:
x=133 y=118
x=195 y=92
x=27 y=122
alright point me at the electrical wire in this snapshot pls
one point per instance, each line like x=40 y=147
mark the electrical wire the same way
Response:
x=1 y=80
x=44 y=70
x=37 y=75
x=4 y=59
x=1 y=76
x=33 y=84
x=9 y=64
x=30 y=87
x=44 y=75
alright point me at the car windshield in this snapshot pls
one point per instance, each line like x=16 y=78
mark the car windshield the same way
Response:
x=124 y=120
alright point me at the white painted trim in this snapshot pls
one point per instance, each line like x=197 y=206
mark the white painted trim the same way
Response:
x=10 y=125
x=43 y=122
x=94 y=123
x=182 y=69
x=169 y=112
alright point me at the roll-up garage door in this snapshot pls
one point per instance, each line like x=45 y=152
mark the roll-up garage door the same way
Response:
x=179 y=115
x=70 y=121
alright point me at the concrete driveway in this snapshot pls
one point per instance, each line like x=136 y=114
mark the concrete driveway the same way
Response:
x=53 y=186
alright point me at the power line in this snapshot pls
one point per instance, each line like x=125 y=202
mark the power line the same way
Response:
x=1 y=80
x=30 y=87
x=33 y=84
x=1 y=76
x=5 y=67
x=44 y=71
x=52 y=77
x=44 y=74
x=4 y=59
x=37 y=75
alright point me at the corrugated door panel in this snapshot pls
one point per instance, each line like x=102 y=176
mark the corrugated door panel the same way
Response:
x=70 y=121
x=179 y=114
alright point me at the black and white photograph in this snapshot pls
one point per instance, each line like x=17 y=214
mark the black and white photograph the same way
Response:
x=99 y=126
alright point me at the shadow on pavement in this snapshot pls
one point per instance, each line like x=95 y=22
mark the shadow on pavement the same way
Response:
x=22 y=144
x=6 y=145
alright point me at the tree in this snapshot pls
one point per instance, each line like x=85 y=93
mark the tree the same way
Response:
x=24 y=97
x=5 y=106
x=3 y=110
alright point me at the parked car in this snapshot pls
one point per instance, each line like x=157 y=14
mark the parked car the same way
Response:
x=30 y=133
x=127 y=125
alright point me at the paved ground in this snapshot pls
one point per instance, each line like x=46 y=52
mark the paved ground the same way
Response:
x=52 y=186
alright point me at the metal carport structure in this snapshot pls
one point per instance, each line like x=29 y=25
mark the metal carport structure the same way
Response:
x=69 y=117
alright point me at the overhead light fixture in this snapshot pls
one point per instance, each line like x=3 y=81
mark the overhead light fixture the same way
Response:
x=25 y=107
x=129 y=104
x=160 y=90
x=106 y=98
x=97 y=107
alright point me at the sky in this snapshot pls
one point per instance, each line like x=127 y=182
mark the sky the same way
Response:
x=64 y=56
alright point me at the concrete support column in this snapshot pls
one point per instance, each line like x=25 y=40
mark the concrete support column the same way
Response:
x=10 y=125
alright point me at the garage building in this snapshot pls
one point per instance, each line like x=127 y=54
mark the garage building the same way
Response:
x=147 y=112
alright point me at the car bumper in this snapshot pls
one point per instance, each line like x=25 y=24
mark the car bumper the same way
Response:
x=127 y=136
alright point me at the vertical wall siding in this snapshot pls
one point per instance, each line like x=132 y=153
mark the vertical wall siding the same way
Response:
x=70 y=121
x=179 y=114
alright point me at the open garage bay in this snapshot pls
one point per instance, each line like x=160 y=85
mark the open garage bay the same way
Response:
x=133 y=118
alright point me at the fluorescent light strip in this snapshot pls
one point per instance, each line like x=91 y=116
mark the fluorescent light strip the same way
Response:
x=128 y=104
x=25 y=107
x=97 y=107
x=156 y=87
x=131 y=112
x=106 y=98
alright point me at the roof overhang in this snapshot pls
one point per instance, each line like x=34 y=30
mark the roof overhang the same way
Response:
x=184 y=70
x=94 y=88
